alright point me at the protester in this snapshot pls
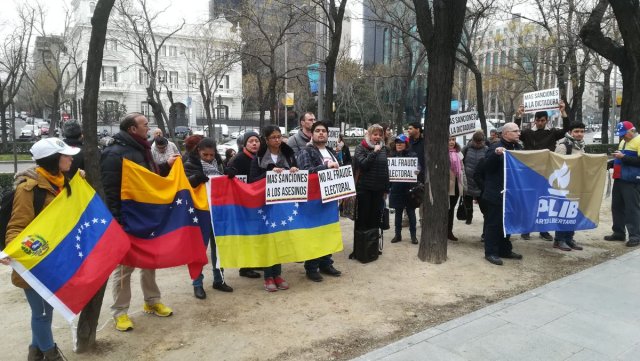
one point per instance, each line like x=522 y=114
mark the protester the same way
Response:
x=493 y=137
x=372 y=173
x=316 y=156
x=399 y=193
x=228 y=154
x=130 y=143
x=496 y=243
x=53 y=160
x=416 y=141
x=303 y=136
x=73 y=138
x=173 y=149
x=472 y=153
x=275 y=156
x=190 y=143
x=342 y=151
x=240 y=164
x=573 y=143
x=202 y=162
x=456 y=183
x=625 y=195
x=161 y=151
x=539 y=137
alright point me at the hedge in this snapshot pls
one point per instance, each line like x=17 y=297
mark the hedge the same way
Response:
x=6 y=182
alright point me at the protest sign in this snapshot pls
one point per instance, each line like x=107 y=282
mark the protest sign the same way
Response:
x=463 y=123
x=403 y=169
x=541 y=100
x=332 y=141
x=286 y=187
x=242 y=178
x=336 y=183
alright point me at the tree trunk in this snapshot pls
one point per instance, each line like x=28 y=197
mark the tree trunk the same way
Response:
x=480 y=99
x=155 y=107
x=606 y=103
x=441 y=38
x=3 y=109
x=88 y=321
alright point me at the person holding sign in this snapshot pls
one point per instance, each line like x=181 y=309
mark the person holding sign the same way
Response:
x=457 y=182
x=316 y=156
x=399 y=193
x=539 y=137
x=273 y=155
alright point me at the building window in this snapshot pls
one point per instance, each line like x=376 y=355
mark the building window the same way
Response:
x=163 y=51
x=80 y=75
x=109 y=74
x=224 y=82
x=162 y=76
x=143 y=77
x=111 y=44
x=145 y=109
x=386 y=46
x=193 y=79
x=216 y=54
x=173 y=51
x=173 y=77
x=191 y=53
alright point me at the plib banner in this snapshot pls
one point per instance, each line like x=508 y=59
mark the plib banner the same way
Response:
x=546 y=191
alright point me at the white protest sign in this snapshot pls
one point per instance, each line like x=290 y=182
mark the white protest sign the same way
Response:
x=541 y=100
x=286 y=187
x=463 y=123
x=403 y=169
x=332 y=141
x=242 y=178
x=336 y=183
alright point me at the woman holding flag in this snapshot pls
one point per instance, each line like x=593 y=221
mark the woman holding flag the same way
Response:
x=35 y=189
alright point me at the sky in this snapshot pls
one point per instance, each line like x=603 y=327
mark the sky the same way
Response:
x=193 y=11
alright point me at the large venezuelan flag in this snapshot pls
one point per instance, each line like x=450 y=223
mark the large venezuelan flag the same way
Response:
x=68 y=252
x=168 y=221
x=252 y=234
x=546 y=191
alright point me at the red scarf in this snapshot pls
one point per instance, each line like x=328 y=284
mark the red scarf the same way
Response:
x=248 y=153
x=147 y=151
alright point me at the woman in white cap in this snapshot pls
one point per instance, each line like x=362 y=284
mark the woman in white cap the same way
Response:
x=35 y=188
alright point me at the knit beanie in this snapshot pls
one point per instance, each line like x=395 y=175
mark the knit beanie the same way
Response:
x=71 y=129
x=247 y=135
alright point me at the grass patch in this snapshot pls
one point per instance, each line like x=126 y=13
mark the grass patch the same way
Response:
x=9 y=157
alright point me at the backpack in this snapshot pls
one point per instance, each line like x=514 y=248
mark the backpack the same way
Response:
x=6 y=207
x=569 y=147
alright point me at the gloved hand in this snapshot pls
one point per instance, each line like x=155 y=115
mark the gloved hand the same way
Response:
x=230 y=172
x=202 y=178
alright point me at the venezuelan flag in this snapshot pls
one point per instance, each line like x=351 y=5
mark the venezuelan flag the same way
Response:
x=252 y=234
x=66 y=259
x=546 y=191
x=168 y=221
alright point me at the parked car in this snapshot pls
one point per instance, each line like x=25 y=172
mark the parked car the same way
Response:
x=294 y=131
x=222 y=148
x=354 y=132
x=30 y=132
x=597 y=138
x=182 y=132
x=44 y=128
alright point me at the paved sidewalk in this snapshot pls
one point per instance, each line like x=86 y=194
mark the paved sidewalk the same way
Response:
x=591 y=315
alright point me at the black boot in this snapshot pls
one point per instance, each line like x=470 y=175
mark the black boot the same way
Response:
x=396 y=239
x=35 y=354
x=199 y=292
x=54 y=354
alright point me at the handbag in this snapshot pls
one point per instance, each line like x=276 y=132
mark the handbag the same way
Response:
x=366 y=245
x=348 y=208
x=461 y=213
x=384 y=222
x=416 y=196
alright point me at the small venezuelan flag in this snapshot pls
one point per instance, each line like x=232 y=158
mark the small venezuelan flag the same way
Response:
x=252 y=234
x=66 y=259
x=167 y=221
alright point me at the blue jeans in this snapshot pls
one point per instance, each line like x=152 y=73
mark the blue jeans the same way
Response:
x=273 y=271
x=564 y=236
x=41 y=317
x=313 y=265
x=411 y=212
x=218 y=273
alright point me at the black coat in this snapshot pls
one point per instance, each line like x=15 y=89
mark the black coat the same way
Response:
x=309 y=158
x=417 y=146
x=257 y=172
x=543 y=138
x=194 y=171
x=240 y=164
x=399 y=192
x=78 y=159
x=372 y=169
x=494 y=171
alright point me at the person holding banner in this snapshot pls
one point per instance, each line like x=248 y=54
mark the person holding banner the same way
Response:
x=473 y=153
x=316 y=156
x=496 y=243
x=539 y=137
x=53 y=158
x=276 y=156
x=399 y=193
x=202 y=162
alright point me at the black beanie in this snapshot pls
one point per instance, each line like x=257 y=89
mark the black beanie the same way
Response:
x=71 y=129
x=247 y=135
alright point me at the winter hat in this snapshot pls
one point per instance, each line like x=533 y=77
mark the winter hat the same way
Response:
x=623 y=127
x=402 y=139
x=247 y=135
x=71 y=129
x=50 y=146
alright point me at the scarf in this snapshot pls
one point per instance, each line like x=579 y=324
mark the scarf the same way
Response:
x=248 y=153
x=57 y=181
x=367 y=144
x=147 y=151
x=454 y=162
x=210 y=168
x=571 y=142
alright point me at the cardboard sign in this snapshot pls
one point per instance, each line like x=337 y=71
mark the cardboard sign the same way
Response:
x=336 y=183
x=541 y=100
x=403 y=169
x=286 y=187
x=463 y=123
x=332 y=142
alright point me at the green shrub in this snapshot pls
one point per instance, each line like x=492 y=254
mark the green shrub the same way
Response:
x=600 y=148
x=6 y=182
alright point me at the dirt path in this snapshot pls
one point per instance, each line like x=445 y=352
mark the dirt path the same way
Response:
x=369 y=306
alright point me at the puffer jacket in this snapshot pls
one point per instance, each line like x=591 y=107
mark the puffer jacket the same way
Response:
x=472 y=156
x=371 y=168
x=399 y=192
x=23 y=212
x=494 y=171
x=310 y=158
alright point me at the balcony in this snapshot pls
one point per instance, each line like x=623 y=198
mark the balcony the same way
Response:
x=112 y=85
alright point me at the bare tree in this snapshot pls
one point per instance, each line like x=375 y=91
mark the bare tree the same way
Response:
x=142 y=35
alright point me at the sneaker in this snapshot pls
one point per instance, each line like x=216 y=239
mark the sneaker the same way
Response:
x=561 y=245
x=546 y=236
x=158 y=309
x=123 y=323
x=615 y=237
x=494 y=259
x=396 y=239
x=222 y=287
x=574 y=245
x=281 y=283
x=633 y=243
x=270 y=285
x=525 y=236
x=331 y=271
x=314 y=276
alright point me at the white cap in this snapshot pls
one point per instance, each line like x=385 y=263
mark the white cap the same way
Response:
x=50 y=146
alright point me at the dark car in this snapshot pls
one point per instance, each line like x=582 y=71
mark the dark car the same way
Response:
x=182 y=132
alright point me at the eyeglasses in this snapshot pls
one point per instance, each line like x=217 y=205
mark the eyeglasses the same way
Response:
x=275 y=137
x=513 y=131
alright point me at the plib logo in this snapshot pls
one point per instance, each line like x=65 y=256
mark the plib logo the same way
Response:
x=557 y=205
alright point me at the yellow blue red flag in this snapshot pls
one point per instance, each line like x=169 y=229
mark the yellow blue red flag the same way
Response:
x=67 y=259
x=252 y=234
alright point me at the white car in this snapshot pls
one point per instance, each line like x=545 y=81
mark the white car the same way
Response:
x=222 y=148
x=354 y=132
x=30 y=132
x=597 y=138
